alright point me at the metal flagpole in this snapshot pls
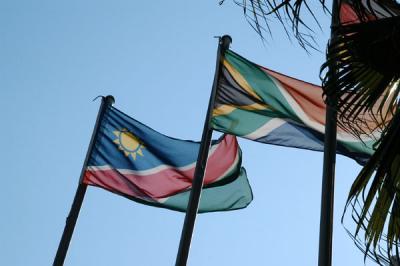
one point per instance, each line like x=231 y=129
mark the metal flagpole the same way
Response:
x=198 y=178
x=81 y=190
x=328 y=175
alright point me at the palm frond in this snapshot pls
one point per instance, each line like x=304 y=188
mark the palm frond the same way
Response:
x=366 y=76
x=293 y=15
x=289 y=13
x=374 y=199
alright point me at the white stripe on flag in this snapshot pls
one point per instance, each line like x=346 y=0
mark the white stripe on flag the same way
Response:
x=265 y=129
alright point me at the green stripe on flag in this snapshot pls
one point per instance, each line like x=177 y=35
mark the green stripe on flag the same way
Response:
x=263 y=85
x=231 y=196
x=242 y=122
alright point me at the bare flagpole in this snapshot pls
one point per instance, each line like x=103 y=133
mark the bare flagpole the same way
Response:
x=328 y=175
x=81 y=190
x=197 y=185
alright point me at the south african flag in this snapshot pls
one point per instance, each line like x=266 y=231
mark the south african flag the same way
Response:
x=260 y=104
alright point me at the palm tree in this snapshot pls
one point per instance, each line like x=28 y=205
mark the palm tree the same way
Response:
x=365 y=49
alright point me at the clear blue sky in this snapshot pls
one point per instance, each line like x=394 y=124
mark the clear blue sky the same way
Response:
x=157 y=58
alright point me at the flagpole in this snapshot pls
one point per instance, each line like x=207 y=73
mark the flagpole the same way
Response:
x=328 y=174
x=198 y=178
x=81 y=190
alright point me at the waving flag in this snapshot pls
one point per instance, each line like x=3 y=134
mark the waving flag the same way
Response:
x=141 y=164
x=256 y=103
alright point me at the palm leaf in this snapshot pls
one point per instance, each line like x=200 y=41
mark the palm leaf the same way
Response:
x=374 y=199
x=293 y=15
x=366 y=78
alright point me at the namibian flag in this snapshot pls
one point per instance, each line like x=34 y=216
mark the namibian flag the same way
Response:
x=257 y=103
x=133 y=160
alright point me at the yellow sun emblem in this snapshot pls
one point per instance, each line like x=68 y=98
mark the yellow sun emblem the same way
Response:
x=128 y=143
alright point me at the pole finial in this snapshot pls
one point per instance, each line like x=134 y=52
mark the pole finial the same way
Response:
x=109 y=99
x=225 y=41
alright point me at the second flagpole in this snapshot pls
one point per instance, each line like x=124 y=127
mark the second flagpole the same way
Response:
x=198 y=178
